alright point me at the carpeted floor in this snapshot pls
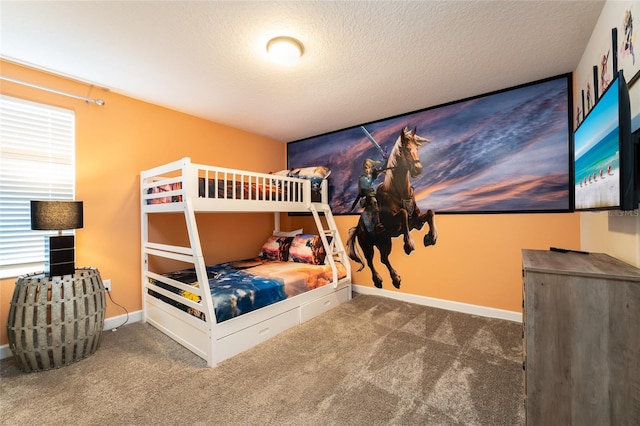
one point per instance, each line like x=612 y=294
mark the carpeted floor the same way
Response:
x=372 y=361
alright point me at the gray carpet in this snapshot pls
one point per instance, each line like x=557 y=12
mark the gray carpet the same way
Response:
x=372 y=361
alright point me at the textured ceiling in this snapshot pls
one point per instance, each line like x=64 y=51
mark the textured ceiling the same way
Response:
x=363 y=61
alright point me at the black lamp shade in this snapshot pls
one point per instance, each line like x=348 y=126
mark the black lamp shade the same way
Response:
x=59 y=250
x=56 y=215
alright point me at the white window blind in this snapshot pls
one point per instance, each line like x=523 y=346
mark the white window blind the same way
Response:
x=37 y=162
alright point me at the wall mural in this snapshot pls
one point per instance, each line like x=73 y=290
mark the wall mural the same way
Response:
x=503 y=152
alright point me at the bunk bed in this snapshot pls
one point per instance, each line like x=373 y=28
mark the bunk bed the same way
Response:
x=216 y=311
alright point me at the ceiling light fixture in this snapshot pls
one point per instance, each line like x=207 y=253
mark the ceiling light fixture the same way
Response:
x=285 y=50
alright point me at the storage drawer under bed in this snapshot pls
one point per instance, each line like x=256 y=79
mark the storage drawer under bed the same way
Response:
x=323 y=304
x=246 y=338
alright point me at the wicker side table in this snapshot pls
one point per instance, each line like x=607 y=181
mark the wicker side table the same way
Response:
x=55 y=321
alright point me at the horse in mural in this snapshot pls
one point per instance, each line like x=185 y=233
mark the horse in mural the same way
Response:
x=398 y=211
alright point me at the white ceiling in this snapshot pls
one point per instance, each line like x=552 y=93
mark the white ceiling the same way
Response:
x=363 y=60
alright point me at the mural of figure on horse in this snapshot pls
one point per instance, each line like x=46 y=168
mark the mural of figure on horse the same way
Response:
x=367 y=194
x=397 y=209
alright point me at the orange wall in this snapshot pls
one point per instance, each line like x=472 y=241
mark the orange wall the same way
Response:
x=476 y=260
x=114 y=143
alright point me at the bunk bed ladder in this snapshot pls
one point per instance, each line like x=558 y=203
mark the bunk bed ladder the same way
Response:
x=203 y=280
x=330 y=238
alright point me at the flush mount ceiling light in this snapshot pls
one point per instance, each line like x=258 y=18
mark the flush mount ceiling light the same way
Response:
x=285 y=50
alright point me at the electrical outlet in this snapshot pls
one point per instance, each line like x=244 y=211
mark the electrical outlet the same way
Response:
x=107 y=284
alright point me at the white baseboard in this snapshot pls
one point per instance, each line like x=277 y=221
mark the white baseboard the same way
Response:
x=118 y=321
x=466 y=308
x=5 y=352
x=109 y=324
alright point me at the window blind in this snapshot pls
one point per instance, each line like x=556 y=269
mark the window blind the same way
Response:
x=37 y=162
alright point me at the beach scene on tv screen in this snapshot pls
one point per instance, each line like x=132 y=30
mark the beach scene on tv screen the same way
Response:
x=597 y=156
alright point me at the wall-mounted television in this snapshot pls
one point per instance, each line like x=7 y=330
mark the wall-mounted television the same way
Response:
x=604 y=156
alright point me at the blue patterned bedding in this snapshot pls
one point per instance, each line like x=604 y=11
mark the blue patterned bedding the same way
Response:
x=244 y=286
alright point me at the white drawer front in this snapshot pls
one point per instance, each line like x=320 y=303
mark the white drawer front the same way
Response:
x=258 y=333
x=315 y=308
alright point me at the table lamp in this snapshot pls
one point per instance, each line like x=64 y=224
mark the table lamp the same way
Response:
x=59 y=249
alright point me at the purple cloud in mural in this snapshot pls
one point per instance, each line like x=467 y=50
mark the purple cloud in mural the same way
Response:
x=505 y=151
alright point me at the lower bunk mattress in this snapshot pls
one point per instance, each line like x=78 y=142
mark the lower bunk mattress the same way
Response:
x=243 y=286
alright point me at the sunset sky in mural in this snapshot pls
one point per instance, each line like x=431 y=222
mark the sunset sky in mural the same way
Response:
x=506 y=151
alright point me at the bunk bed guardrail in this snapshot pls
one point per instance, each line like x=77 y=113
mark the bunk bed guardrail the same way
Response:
x=233 y=190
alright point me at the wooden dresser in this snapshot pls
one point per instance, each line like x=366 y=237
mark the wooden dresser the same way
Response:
x=581 y=339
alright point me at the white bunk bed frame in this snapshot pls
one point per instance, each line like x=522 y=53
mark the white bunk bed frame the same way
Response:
x=212 y=341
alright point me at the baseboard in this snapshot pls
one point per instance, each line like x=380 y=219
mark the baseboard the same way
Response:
x=5 y=352
x=120 y=320
x=109 y=324
x=466 y=308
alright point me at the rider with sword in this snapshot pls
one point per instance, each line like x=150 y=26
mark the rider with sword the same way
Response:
x=366 y=184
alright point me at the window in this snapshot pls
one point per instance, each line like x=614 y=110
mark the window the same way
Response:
x=37 y=162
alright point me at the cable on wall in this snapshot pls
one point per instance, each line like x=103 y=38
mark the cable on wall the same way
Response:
x=87 y=99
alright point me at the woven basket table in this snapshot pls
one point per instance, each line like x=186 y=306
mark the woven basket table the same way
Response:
x=56 y=321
